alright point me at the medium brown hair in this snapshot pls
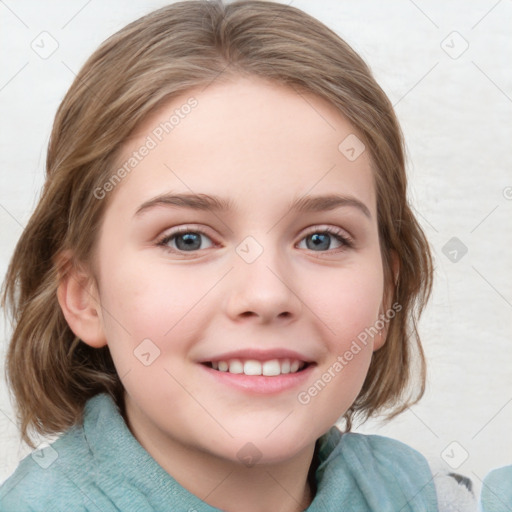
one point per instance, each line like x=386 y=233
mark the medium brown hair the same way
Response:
x=152 y=60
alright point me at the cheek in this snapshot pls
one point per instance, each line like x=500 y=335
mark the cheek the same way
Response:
x=143 y=300
x=349 y=303
x=349 y=310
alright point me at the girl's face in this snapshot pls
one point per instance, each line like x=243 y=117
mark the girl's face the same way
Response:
x=243 y=237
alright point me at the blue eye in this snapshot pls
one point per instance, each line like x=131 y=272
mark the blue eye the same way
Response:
x=323 y=240
x=184 y=240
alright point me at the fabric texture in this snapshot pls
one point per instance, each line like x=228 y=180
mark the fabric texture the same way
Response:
x=100 y=467
x=497 y=491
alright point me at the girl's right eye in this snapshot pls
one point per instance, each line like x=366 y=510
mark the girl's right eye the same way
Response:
x=185 y=240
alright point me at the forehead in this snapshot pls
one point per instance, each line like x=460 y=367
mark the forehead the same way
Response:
x=252 y=139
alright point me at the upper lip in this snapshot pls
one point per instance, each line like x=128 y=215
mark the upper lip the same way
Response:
x=258 y=355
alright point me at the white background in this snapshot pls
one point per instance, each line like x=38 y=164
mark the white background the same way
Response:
x=455 y=108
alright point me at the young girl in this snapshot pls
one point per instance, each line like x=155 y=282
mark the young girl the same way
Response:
x=222 y=264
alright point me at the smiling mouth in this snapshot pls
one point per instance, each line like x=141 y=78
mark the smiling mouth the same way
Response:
x=270 y=368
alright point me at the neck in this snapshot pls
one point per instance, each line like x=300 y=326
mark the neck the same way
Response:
x=230 y=485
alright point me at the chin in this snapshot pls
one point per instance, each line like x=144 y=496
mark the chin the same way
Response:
x=256 y=447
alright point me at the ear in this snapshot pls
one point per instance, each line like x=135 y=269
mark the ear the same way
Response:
x=386 y=305
x=78 y=298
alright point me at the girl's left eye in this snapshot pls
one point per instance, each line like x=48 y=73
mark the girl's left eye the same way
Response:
x=319 y=240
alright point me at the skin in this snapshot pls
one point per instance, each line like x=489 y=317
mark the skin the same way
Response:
x=261 y=145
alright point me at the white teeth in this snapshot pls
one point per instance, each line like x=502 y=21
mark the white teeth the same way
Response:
x=236 y=366
x=285 y=366
x=252 y=367
x=270 y=368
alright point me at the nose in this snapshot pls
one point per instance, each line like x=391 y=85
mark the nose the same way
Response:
x=263 y=291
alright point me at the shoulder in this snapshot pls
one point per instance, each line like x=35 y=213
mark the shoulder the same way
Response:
x=63 y=476
x=46 y=474
x=496 y=493
x=377 y=470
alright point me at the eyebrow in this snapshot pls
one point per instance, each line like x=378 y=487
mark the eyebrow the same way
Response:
x=205 y=202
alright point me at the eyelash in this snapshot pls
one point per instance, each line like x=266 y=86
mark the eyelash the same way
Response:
x=346 y=241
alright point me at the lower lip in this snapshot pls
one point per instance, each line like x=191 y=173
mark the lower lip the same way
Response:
x=261 y=384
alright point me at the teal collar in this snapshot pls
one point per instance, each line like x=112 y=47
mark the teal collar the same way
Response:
x=355 y=472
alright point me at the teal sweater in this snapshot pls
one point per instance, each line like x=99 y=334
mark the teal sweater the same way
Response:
x=497 y=491
x=100 y=467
